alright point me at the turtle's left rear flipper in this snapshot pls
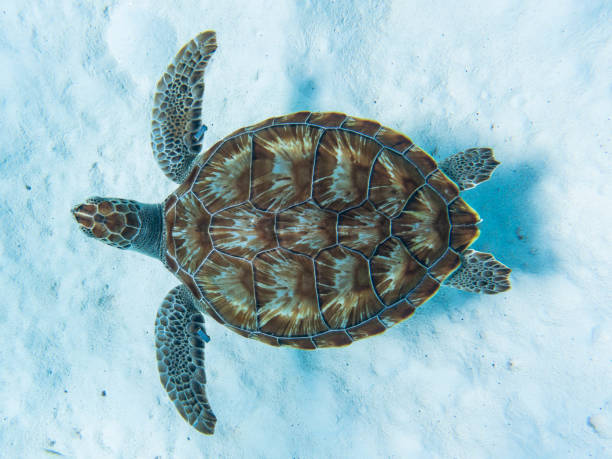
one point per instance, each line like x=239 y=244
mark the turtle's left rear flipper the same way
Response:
x=177 y=107
x=480 y=273
x=470 y=167
x=180 y=336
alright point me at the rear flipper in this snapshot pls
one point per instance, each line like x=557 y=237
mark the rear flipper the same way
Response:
x=480 y=273
x=179 y=331
x=470 y=167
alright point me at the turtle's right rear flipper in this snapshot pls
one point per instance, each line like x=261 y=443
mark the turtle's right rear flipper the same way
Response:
x=480 y=273
x=180 y=336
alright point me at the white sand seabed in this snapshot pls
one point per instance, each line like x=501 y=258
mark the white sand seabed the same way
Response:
x=522 y=374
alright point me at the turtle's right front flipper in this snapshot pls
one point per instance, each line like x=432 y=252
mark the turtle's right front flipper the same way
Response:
x=180 y=336
x=177 y=125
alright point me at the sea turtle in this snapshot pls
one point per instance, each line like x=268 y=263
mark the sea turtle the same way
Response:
x=309 y=230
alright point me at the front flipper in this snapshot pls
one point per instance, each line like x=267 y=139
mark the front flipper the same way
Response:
x=176 y=126
x=480 y=273
x=470 y=167
x=179 y=329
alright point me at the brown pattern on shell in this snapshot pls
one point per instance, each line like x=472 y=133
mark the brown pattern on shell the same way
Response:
x=362 y=228
x=332 y=339
x=423 y=226
x=243 y=231
x=367 y=127
x=299 y=343
x=396 y=314
x=327 y=119
x=462 y=237
x=393 y=139
x=342 y=169
x=394 y=271
x=190 y=237
x=421 y=159
x=444 y=185
x=392 y=182
x=306 y=228
x=287 y=310
x=227 y=283
x=461 y=213
x=368 y=328
x=171 y=263
x=170 y=202
x=445 y=266
x=424 y=291
x=345 y=291
x=286 y=294
x=282 y=165
x=225 y=179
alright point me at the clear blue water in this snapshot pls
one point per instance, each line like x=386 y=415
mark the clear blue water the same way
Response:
x=515 y=375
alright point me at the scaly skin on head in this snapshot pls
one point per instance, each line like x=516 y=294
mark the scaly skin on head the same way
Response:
x=122 y=223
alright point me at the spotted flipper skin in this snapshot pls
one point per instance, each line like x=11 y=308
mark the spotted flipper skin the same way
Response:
x=480 y=273
x=176 y=125
x=122 y=223
x=470 y=167
x=179 y=340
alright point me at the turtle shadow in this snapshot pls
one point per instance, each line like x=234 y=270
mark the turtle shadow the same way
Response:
x=513 y=228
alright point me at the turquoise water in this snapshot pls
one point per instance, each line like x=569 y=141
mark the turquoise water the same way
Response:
x=520 y=374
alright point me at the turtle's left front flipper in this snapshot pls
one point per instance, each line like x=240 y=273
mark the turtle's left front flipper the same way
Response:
x=177 y=125
x=180 y=336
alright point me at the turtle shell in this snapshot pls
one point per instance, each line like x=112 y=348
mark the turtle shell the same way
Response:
x=315 y=229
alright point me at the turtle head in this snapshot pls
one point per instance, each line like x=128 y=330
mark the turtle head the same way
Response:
x=122 y=223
